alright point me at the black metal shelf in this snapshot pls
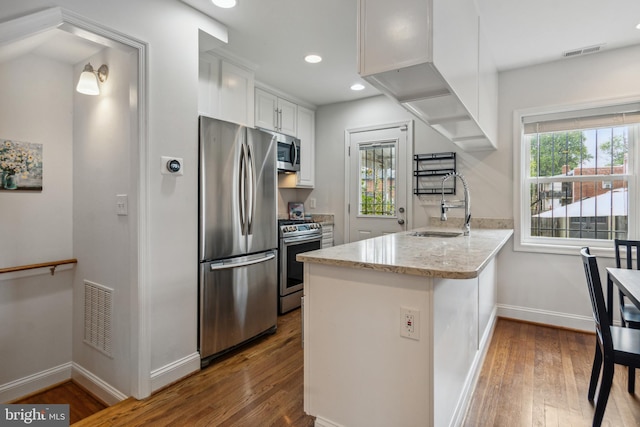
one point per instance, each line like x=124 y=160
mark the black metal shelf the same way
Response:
x=430 y=169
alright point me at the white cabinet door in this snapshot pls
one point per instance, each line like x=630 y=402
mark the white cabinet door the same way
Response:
x=274 y=113
x=393 y=34
x=455 y=48
x=488 y=90
x=287 y=117
x=306 y=133
x=236 y=94
x=266 y=110
x=209 y=86
x=225 y=90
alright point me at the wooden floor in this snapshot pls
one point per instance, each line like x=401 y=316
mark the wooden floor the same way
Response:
x=261 y=385
x=81 y=403
x=532 y=376
x=539 y=376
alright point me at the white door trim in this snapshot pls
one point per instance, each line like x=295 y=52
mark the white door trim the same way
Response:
x=409 y=160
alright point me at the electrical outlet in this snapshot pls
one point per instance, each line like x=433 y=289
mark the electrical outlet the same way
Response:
x=409 y=323
x=312 y=203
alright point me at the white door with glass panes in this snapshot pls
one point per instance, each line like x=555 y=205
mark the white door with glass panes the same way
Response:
x=377 y=181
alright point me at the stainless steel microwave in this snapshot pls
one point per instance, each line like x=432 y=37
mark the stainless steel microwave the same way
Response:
x=288 y=153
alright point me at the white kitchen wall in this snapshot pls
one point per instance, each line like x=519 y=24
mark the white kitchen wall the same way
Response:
x=536 y=287
x=484 y=176
x=551 y=288
x=35 y=307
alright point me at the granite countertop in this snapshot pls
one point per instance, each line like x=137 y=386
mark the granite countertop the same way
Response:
x=461 y=257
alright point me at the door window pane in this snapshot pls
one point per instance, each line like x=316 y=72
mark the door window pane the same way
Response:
x=377 y=179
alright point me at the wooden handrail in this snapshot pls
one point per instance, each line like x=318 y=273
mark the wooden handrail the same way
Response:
x=52 y=266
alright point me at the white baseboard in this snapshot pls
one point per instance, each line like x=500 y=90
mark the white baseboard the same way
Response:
x=554 y=318
x=321 y=422
x=99 y=388
x=36 y=382
x=175 y=371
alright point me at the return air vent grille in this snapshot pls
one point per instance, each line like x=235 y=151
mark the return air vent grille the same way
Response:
x=582 y=51
x=98 y=309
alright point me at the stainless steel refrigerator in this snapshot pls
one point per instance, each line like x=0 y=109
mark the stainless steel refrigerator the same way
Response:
x=237 y=236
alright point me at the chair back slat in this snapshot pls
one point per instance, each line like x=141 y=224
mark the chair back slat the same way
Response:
x=600 y=315
x=631 y=251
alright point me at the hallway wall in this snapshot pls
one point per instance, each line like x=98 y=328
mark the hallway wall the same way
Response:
x=102 y=165
x=35 y=307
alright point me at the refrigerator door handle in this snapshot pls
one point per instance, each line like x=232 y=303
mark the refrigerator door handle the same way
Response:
x=251 y=199
x=242 y=261
x=241 y=190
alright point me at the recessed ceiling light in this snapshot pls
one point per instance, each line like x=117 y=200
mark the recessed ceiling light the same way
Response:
x=226 y=4
x=357 y=86
x=313 y=59
x=638 y=26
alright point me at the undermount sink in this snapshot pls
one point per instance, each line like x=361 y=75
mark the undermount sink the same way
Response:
x=436 y=233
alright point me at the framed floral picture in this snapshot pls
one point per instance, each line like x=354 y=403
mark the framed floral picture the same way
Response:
x=20 y=166
x=296 y=210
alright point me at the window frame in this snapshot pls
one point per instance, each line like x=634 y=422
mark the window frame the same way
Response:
x=523 y=241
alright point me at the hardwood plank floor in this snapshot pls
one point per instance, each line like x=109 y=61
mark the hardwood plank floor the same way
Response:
x=257 y=385
x=81 y=403
x=539 y=376
x=532 y=376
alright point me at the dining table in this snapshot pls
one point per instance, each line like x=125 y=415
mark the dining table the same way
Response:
x=628 y=281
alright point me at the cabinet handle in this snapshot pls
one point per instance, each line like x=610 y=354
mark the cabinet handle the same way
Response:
x=280 y=119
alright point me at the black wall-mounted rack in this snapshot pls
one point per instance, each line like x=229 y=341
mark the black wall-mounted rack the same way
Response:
x=430 y=169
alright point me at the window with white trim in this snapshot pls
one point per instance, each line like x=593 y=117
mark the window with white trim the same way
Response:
x=578 y=183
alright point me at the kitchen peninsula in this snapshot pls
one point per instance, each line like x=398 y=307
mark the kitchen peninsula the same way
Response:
x=395 y=327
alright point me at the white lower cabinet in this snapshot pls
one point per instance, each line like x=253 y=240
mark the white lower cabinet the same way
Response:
x=327 y=235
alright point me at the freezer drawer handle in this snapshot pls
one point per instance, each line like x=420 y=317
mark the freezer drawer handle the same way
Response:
x=222 y=265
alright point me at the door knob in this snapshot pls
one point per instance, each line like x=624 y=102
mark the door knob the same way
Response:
x=401 y=221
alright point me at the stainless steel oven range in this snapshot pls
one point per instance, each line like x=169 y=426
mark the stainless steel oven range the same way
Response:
x=296 y=236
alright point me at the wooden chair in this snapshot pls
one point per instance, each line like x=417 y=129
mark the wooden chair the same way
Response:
x=613 y=344
x=629 y=313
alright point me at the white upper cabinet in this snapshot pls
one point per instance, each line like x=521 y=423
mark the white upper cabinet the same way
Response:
x=426 y=54
x=306 y=133
x=275 y=113
x=226 y=90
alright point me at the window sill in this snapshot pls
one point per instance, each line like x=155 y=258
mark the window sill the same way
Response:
x=596 y=248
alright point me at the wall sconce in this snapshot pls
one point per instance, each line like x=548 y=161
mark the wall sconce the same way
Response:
x=88 y=82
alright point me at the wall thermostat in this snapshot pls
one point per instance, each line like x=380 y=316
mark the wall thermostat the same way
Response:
x=171 y=166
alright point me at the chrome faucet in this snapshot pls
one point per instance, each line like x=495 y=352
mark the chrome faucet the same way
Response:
x=466 y=203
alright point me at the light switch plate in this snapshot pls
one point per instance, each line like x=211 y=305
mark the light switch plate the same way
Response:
x=122 y=204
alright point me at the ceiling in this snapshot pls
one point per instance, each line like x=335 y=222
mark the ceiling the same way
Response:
x=275 y=35
x=55 y=44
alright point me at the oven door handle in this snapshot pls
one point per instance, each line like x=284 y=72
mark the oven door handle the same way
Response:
x=301 y=239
